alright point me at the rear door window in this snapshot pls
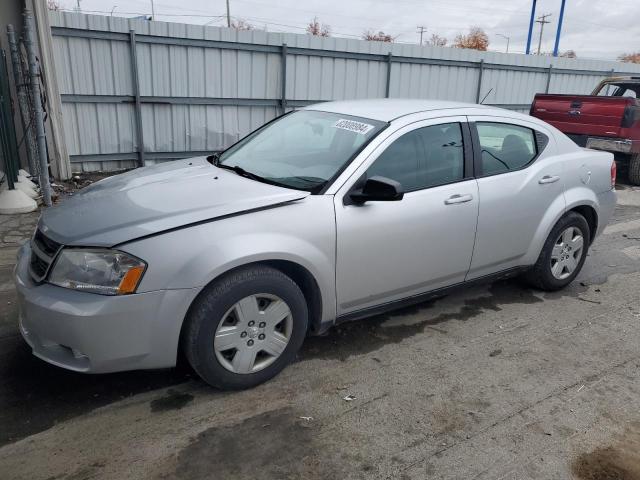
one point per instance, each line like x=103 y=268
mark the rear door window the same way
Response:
x=505 y=147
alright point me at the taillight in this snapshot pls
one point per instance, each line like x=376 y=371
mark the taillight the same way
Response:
x=631 y=114
x=613 y=174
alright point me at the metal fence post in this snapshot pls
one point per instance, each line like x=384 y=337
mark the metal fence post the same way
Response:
x=136 y=93
x=8 y=149
x=388 y=86
x=283 y=74
x=23 y=102
x=549 y=73
x=38 y=119
x=481 y=71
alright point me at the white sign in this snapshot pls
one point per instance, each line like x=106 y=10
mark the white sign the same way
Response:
x=353 y=126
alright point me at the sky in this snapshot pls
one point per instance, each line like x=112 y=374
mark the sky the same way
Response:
x=599 y=29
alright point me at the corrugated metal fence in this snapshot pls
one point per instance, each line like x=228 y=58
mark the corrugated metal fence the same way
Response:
x=135 y=92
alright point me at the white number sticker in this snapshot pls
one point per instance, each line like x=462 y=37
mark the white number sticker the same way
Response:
x=353 y=126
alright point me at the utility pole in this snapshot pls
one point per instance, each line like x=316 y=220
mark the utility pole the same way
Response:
x=542 y=19
x=505 y=37
x=421 y=30
x=78 y=6
x=228 y=15
x=153 y=11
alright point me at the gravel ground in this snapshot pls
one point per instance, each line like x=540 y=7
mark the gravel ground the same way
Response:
x=495 y=381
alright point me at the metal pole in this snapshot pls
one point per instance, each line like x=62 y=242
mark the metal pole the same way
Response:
x=481 y=67
x=388 y=85
x=7 y=131
x=23 y=102
x=506 y=38
x=37 y=107
x=283 y=74
x=555 y=48
x=136 y=93
x=228 y=15
x=153 y=11
x=549 y=72
x=533 y=17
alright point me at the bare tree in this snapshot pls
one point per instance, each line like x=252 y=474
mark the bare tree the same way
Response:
x=630 y=57
x=437 y=41
x=317 y=29
x=476 y=39
x=241 y=24
x=377 y=37
x=569 y=54
x=53 y=5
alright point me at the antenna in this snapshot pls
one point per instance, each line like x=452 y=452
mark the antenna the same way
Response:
x=485 y=97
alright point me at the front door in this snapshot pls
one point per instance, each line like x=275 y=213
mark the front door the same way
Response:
x=390 y=250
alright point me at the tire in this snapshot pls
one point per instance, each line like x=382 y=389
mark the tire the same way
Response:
x=634 y=169
x=542 y=274
x=218 y=318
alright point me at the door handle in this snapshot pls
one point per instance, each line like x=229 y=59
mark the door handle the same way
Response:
x=454 y=199
x=548 y=179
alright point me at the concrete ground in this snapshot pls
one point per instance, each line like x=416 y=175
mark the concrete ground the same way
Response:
x=493 y=382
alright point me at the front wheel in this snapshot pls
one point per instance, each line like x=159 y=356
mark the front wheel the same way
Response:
x=245 y=328
x=563 y=254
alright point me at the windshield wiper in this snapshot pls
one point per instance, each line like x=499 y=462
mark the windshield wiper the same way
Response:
x=242 y=172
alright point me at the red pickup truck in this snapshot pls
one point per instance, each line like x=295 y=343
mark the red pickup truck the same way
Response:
x=608 y=119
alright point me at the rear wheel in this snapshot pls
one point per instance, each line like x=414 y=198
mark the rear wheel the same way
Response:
x=563 y=254
x=245 y=328
x=634 y=169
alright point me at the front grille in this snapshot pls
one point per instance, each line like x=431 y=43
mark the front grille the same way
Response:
x=43 y=251
x=45 y=244
x=38 y=266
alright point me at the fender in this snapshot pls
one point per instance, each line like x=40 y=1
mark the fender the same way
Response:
x=574 y=197
x=193 y=257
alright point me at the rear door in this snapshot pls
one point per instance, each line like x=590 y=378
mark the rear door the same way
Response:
x=519 y=178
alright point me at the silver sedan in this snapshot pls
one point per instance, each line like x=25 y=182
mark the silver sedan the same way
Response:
x=331 y=213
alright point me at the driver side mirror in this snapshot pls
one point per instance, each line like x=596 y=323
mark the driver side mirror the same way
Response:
x=377 y=188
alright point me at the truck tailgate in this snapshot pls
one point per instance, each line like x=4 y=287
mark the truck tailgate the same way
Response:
x=582 y=114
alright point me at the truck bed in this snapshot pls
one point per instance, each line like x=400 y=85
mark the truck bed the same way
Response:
x=583 y=115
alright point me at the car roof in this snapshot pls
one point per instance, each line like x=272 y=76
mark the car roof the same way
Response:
x=387 y=109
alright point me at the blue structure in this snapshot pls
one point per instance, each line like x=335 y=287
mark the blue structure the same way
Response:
x=533 y=17
x=555 y=48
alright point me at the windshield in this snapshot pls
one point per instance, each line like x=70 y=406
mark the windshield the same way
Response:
x=301 y=150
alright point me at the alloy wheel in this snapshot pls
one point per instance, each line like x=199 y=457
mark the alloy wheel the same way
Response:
x=566 y=253
x=253 y=333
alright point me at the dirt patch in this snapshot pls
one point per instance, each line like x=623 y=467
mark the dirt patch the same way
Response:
x=368 y=335
x=275 y=444
x=171 y=401
x=620 y=461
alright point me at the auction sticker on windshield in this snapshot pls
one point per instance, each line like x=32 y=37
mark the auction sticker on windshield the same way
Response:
x=353 y=126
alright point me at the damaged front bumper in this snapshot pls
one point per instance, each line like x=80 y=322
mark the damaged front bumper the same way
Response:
x=92 y=333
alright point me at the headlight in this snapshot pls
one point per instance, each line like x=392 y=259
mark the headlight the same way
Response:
x=107 y=272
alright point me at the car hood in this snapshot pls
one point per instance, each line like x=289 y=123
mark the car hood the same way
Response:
x=154 y=199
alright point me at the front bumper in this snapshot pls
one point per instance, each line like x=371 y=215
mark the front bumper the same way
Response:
x=94 y=333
